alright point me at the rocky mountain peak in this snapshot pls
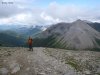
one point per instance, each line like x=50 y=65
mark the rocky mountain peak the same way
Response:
x=77 y=35
x=79 y=20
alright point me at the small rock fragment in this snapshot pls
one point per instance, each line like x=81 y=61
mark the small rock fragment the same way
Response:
x=15 y=67
x=3 y=71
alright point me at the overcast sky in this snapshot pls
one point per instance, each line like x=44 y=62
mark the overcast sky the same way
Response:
x=44 y=12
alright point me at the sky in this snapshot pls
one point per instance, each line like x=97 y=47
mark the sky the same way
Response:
x=46 y=12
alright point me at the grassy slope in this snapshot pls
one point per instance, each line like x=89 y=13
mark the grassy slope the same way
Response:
x=9 y=40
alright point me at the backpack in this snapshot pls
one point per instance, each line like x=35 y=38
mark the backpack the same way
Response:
x=30 y=41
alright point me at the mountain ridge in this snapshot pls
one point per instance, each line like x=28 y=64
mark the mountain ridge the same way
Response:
x=75 y=35
x=79 y=34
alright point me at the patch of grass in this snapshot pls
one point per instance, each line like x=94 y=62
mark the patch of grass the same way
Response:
x=98 y=73
x=0 y=66
x=74 y=63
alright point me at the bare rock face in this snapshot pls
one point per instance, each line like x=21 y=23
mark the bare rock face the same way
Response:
x=48 y=61
x=75 y=35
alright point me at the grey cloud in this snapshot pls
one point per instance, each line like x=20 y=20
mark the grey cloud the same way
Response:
x=52 y=14
x=17 y=7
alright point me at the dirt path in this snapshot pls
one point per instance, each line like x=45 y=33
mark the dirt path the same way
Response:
x=23 y=62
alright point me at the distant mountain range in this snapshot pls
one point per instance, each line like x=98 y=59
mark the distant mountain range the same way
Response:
x=10 y=39
x=75 y=35
x=15 y=35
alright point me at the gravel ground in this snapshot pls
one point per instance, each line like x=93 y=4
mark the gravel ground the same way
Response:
x=48 y=61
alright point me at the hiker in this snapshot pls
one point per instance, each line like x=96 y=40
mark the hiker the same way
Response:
x=30 y=40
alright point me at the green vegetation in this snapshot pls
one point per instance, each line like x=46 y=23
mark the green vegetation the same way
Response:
x=58 y=44
x=95 y=49
x=79 y=65
x=98 y=41
x=9 y=40
x=98 y=73
x=51 y=42
x=0 y=44
x=95 y=26
x=43 y=42
x=74 y=63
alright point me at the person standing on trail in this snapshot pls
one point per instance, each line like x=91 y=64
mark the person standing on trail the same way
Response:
x=30 y=42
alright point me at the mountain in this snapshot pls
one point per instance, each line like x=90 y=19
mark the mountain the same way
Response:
x=75 y=35
x=9 y=27
x=23 y=30
x=95 y=25
x=16 y=35
x=11 y=39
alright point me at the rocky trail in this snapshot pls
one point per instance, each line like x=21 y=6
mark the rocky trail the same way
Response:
x=48 y=61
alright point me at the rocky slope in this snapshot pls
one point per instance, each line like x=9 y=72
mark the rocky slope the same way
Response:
x=75 y=35
x=48 y=61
